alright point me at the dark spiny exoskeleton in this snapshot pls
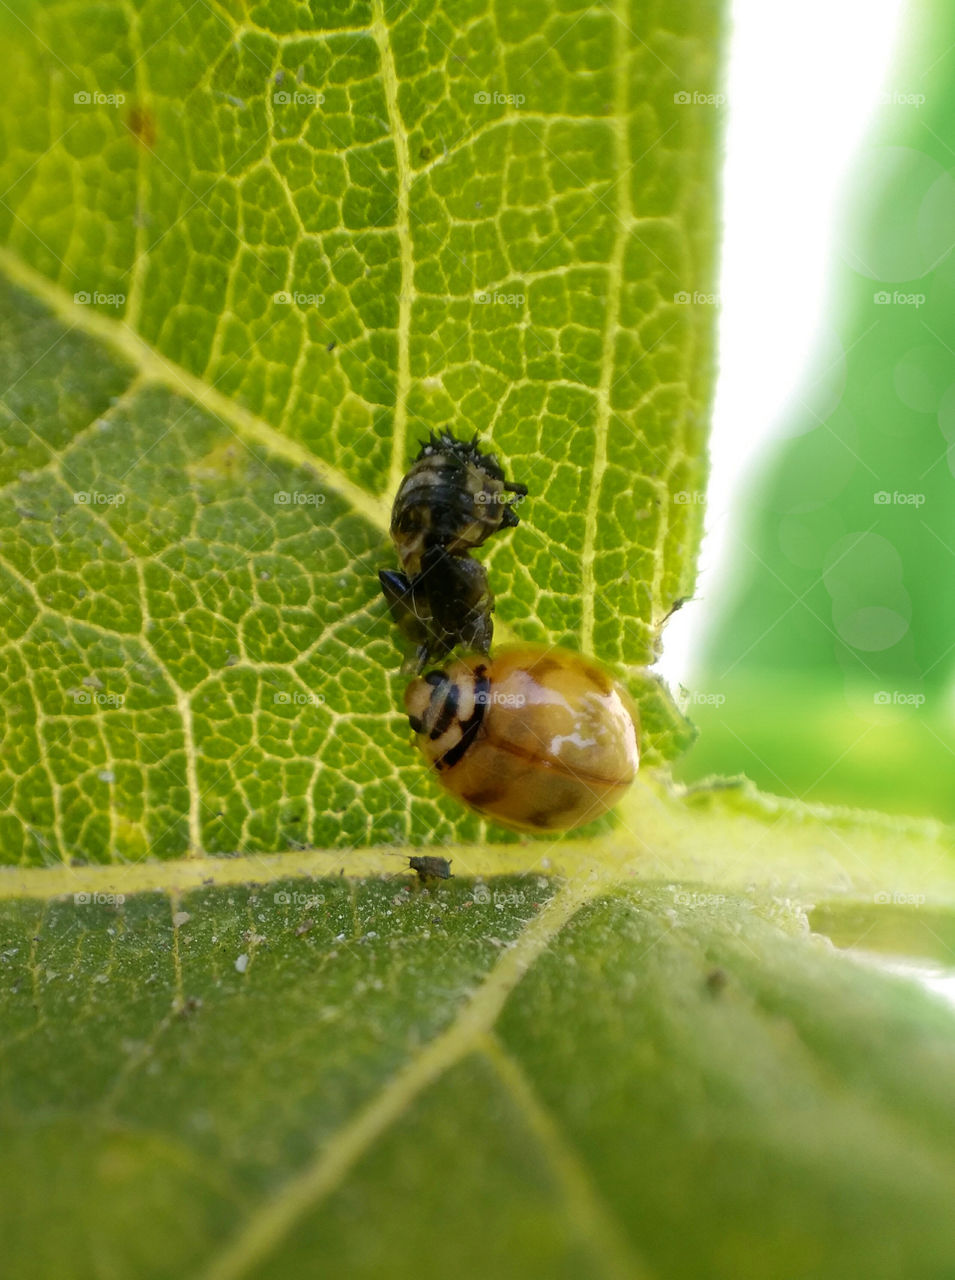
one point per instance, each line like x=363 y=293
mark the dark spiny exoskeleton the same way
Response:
x=453 y=498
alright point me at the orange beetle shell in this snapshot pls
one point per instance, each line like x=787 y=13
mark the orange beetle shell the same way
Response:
x=536 y=738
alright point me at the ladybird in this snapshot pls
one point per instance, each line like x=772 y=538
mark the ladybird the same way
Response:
x=451 y=501
x=536 y=738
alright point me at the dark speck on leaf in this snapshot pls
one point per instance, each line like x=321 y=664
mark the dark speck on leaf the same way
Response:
x=331 y=346
x=142 y=125
x=716 y=980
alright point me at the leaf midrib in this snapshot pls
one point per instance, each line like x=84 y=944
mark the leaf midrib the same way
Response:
x=664 y=839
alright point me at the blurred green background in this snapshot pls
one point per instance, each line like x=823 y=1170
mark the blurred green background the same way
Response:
x=828 y=674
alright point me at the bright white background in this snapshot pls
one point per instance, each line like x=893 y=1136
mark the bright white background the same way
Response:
x=804 y=82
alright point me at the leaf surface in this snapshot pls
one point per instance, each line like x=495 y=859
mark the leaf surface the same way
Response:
x=235 y=1038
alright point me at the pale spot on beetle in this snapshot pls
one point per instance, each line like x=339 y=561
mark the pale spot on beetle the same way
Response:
x=575 y=738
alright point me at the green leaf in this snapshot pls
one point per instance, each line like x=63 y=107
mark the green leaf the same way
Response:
x=237 y=1040
x=503 y=1077
x=208 y=466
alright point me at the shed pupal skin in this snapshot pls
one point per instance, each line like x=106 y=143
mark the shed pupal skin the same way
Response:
x=535 y=738
x=453 y=498
x=448 y=604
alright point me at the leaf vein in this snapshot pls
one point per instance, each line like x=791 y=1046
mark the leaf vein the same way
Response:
x=266 y=1228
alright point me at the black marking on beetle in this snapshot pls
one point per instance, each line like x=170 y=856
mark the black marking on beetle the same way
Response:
x=486 y=796
x=449 y=710
x=542 y=666
x=470 y=727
